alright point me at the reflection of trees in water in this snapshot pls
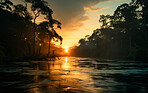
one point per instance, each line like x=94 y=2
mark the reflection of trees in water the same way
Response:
x=64 y=76
x=78 y=75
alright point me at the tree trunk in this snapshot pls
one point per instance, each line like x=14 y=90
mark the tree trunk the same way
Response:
x=49 y=47
x=145 y=14
x=121 y=45
x=29 y=49
x=34 y=37
x=39 y=50
x=130 y=42
x=146 y=39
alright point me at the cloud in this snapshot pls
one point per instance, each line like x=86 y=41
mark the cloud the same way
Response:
x=94 y=9
x=71 y=13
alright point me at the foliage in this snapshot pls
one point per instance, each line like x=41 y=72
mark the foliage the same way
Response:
x=118 y=35
x=19 y=29
x=6 y=4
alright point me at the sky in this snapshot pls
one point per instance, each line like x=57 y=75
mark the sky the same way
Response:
x=79 y=17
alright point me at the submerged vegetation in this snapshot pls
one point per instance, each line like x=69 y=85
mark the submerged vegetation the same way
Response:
x=20 y=34
x=121 y=35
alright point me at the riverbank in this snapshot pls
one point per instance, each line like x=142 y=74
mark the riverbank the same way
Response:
x=29 y=59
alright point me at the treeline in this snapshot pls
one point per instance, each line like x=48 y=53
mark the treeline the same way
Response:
x=121 y=35
x=21 y=35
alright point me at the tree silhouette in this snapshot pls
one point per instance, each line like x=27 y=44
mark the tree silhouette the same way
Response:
x=125 y=18
x=144 y=20
x=120 y=35
x=49 y=34
x=19 y=28
x=6 y=4
x=22 y=11
x=38 y=7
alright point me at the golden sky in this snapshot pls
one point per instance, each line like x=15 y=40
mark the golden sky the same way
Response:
x=79 y=17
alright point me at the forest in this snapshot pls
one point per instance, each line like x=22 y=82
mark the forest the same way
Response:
x=35 y=58
x=123 y=35
x=21 y=35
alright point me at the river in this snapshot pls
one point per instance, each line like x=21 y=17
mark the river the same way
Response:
x=74 y=75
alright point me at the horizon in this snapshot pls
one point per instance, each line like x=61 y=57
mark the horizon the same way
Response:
x=105 y=47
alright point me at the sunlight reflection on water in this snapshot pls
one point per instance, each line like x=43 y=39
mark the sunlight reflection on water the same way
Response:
x=81 y=75
x=65 y=75
x=77 y=75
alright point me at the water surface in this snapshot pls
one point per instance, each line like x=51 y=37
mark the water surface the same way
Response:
x=74 y=75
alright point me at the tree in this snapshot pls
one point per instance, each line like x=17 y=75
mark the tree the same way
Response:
x=125 y=18
x=144 y=5
x=6 y=4
x=49 y=34
x=105 y=20
x=38 y=7
x=22 y=11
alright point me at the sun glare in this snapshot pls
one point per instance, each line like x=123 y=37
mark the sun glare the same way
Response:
x=66 y=49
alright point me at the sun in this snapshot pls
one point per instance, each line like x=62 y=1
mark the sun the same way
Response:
x=66 y=49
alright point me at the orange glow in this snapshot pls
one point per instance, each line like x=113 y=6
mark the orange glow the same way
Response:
x=64 y=72
x=40 y=44
x=66 y=49
x=65 y=59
